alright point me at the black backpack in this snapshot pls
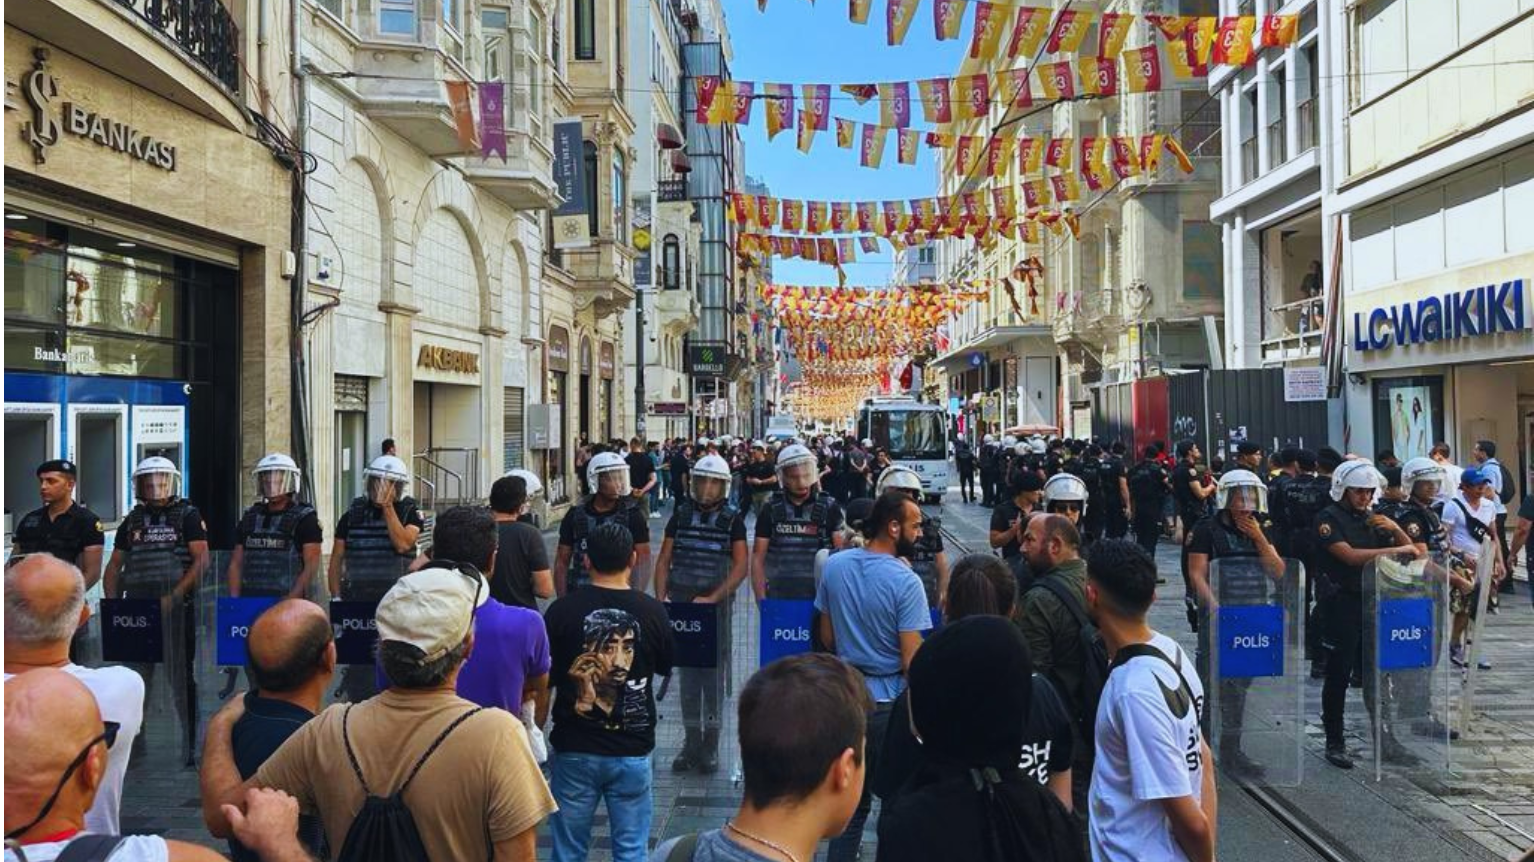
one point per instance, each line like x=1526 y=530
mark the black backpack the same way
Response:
x=1094 y=671
x=384 y=830
x=1508 y=490
x=1146 y=483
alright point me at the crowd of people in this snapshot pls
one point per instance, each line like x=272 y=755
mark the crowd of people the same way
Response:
x=1014 y=705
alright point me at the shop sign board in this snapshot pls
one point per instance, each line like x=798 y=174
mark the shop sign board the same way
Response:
x=1479 y=313
x=559 y=348
x=39 y=88
x=443 y=360
x=1304 y=384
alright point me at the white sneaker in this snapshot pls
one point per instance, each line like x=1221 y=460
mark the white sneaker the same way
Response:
x=1457 y=656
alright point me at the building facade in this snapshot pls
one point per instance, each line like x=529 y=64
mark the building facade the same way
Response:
x=148 y=294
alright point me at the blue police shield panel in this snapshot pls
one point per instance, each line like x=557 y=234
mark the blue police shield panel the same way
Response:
x=232 y=621
x=1408 y=677
x=695 y=634
x=1255 y=684
x=785 y=629
x=131 y=631
x=355 y=630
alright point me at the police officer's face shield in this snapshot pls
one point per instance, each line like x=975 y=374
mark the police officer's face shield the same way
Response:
x=613 y=483
x=709 y=491
x=1071 y=509
x=271 y=484
x=798 y=479
x=1243 y=498
x=382 y=489
x=1426 y=490
x=155 y=488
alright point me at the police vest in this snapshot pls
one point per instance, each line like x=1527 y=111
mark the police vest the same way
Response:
x=582 y=523
x=370 y=553
x=924 y=561
x=1304 y=498
x=273 y=557
x=1226 y=542
x=156 y=557
x=798 y=532
x=1422 y=524
x=701 y=551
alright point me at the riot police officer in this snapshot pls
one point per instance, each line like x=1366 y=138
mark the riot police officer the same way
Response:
x=1287 y=460
x=988 y=470
x=374 y=546
x=1113 y=478
x=796 y=523
x=277 y=543
x=1238 y=529
x=607 y=474
x=1304 y=496
x=703 y=559
x=930 y=562
x=1148 y=488
x=1348 y=537
x=1066 y=494
x=160 y=552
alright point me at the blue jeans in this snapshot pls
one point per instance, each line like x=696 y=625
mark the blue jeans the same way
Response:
x=579 y=782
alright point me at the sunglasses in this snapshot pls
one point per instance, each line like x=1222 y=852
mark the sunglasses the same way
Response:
x=1066 y=506
x=107 y=735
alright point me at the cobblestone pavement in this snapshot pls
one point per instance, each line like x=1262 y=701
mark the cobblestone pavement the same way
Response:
x=1481 y=809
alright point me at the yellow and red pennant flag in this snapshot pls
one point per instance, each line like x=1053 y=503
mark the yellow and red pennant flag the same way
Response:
x=976 y=103
x=1057 y=80
x=986 y=38
x=936 y=99
x=948 y=18
x=1125 y=161
x=1099 y=76
x=1181 y=55
x=817 y=101
x=740 y=98
x=866 y=212
x=793 y=216
x=1033 y=232
x=1171 y=26
x=1069 y=31
x=806 y=131
x=779 y=108
x=1112 y=32
x=766 y=212
x=872 y=151
x=1280 y=31
x=906 y=142
x=463 y=115
x=841 y=212
x=1035 y=193
x=857 y=10
x=844 y=250
x=1233 y=47
x=939 y=140
x=1172 y=146
x=998 y=154
x=740 y=207
x=1205 y=32
x=860 y=93
x=707 y=93
x=846 y=133
x=1092 y=168
x=1150 y=153
x=1028 y=31
x=815 y=216
x=898 y=15
x=1004 y=201
x=1030 y=155
x=1058 y=153
x=1142 y=69
x=895 y=104
x=869 y=244
x=1013 y=90
x=967 y=154
x=1065 y=187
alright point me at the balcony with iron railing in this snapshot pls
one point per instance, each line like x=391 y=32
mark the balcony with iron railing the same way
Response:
x=203 y=29
x=1296 y=331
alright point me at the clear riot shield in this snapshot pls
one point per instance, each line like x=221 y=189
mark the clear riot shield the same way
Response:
x=1256 y=691
x=698 y=726
x=1408 y=681
x=364 y=583
x=1484 y=568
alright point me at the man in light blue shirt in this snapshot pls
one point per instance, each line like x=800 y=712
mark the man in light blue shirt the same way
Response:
x=873 y=611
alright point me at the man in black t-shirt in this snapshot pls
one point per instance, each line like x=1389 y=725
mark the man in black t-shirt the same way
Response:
x=606 y=642
x=641 y=475
x=522 y=574
x=1009 y=519
x=1113 y=480
x=61 y=527
x=681 y=466
x=1147 y=499
x=760 y=476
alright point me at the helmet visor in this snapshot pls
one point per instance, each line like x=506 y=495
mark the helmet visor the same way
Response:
x=708 y=490
x=155 y=487
x=379 y=487
x=276 y=483
x=1426 y=487
x=1243 y=498
x=614 y=482
x=798 y=478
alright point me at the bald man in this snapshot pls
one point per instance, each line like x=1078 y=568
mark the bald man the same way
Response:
x=44 y=605
x=56 y=756
x=291 y=657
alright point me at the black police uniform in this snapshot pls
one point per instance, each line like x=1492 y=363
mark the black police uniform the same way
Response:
x=924 y=561
x=702 y=553
x=576 y=527
x=274 y=546
x=1301 y=499
x=65 y=537
x=1088 y=469
x=1276 y=512
x=154 y=541
x=794 y=534
x=1190 y=509
x=1218 y=538
x=1115 y=520
x=1344 y=608
x=1148 y=490
x=988 y=474
x=964 y=460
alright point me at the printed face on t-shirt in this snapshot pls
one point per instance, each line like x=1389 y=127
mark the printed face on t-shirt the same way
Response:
x=611 y=639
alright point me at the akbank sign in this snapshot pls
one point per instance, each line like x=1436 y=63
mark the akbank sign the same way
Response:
x=1490 y=309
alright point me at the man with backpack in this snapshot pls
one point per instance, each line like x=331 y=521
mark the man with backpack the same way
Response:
x=1504 y=490
x=415 y=773
x=1061 y=639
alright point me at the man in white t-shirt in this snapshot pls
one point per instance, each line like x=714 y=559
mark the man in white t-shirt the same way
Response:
x=1469 y=517
x=57 y=753
x=1452 y=471
x=44 y=605
x=1152 y=797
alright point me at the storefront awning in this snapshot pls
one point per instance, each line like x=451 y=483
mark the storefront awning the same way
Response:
x=1041 y=337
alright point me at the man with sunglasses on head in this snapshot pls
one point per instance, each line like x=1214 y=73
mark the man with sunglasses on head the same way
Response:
x=57 y=754
x=1349 y=536
x=44 y=606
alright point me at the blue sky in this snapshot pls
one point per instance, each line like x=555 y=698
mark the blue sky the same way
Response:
x=797 y=42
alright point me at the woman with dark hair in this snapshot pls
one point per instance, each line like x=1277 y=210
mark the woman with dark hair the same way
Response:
x=983 y=585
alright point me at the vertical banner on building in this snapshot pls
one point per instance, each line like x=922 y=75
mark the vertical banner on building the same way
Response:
x=463 y=115
x=492 y=117
x=570 y=226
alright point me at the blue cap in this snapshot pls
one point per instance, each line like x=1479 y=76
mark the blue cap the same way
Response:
x=1473 y=477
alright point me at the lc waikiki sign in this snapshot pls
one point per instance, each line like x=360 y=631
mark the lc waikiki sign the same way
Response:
x=1490 y=309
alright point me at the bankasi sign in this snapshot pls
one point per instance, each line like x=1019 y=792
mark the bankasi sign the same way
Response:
x=40 y=88
x=1480 y=311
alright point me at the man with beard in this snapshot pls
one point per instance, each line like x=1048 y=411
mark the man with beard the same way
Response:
x=873 y=612
x=607 y=641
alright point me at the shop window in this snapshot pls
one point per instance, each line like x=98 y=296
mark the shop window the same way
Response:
x=1408 y=415
x=589 y=178
x=585 y=30
x=671 y=263
x=351 y=452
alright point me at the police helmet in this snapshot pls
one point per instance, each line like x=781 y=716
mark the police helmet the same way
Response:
x=1065 y=488
x=534 y=484
x=1422 y=470
x=1037 y=445
x=710 y=480
x=276 y=475
x=1241 y=483
x=898 y=477
x=797 y=463
x=386 y=471
x=608 y=470
x=156 y=480
x=1357 y=473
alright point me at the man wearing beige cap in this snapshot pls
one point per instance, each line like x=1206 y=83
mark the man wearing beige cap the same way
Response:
x=459 y=752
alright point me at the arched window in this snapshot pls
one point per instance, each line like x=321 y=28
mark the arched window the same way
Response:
x=589 y=180
x=671 y=263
